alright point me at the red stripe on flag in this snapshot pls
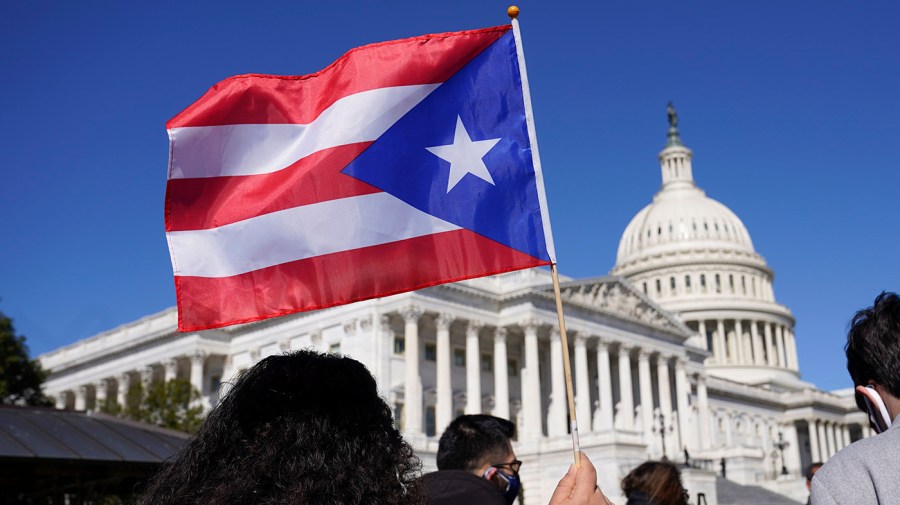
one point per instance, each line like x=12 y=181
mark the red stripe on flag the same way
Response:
x=334 y=279
x=209 y=202
x=262 y=99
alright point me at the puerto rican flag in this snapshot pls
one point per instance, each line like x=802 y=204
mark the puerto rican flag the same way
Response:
x=402 y=165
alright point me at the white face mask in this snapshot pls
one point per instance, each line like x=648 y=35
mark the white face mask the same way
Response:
x=878 y=413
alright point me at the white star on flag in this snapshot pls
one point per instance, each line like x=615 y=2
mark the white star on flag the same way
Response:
x=465 y=155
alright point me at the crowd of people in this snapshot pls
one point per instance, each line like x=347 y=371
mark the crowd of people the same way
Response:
x=310 y=428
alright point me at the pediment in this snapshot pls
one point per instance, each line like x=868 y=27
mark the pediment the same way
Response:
x=616 y=296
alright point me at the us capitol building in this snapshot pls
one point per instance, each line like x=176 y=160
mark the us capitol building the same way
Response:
x=681 y=351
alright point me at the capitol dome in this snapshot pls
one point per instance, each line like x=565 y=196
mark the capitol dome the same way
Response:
x=694 y=256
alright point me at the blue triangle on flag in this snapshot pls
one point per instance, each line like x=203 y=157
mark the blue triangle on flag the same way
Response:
x=486 y=94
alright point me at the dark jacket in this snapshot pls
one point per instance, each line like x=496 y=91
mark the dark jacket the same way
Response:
x=636 y=497
x=458 y=487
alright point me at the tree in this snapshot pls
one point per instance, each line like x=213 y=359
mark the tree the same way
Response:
x=21 y=378
x=173 y=404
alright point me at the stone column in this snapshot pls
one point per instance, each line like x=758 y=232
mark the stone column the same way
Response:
x=81 y=397
x=60 y=400
x=473 y=368
x=645 y=385
x=665 y=395
x=771 y=360
x=582 y=383
x=846 y=432
x=101 y=394
x=146 y=377
x=197 y=361
x=626 y=394
x=832 y=440
x=814 y=441
x=603 y=420
x=823 y=440
x=171 y=368
x=443 y=411
x=681 y=403
x=501 y=374
x=123 y=383
x=782 y=349
x=531 y=383
x=728 y=417
x=701 y=328
x=556 y=412
x=703 y=411
x=791 y=349
x=739 y=342
x=756 y=344
x=720 y=337
x=792 y=451
x=412 y=385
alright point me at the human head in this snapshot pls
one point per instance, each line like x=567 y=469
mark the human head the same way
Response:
x=873 y=346
x=304 y=428
x=474 y=443
x=810 y=471
x=658 y=481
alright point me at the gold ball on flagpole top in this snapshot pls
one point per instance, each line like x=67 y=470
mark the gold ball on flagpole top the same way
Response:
x=512 y=12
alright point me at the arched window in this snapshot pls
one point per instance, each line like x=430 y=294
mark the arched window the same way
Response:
x=658 y=287
x=703 y=283
x=718 y=284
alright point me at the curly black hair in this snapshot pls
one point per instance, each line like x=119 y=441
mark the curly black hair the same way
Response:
x=299 y=428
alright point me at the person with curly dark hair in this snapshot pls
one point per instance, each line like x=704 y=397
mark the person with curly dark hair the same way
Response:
x=654 y=483
x=299 y=428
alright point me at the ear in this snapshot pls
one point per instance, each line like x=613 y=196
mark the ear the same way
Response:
x=489 y=474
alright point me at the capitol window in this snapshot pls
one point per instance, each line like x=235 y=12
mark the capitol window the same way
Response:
x=487 y=362
x=399 y=345
x=430 y=352
x=459 y=357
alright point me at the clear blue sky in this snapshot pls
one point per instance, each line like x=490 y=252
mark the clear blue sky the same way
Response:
x=792 y=110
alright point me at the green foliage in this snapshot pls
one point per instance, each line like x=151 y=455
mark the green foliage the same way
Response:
x=21 y=378
x=174 y=404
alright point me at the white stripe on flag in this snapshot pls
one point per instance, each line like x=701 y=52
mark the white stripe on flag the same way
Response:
x=252 y=149
x=299 y=233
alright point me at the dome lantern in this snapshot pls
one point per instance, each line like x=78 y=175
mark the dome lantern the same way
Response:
x=675 y=159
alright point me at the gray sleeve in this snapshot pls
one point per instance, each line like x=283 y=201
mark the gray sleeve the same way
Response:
x=820 y=494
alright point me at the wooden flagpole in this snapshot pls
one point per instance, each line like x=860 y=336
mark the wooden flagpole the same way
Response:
x=513 y=13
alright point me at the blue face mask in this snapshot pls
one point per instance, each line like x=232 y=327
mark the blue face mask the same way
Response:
x=513 y=484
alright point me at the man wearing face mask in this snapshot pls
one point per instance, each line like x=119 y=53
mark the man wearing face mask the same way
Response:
x=476 y=463
x=866 y=471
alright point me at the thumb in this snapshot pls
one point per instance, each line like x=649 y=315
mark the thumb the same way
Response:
x=565 y=487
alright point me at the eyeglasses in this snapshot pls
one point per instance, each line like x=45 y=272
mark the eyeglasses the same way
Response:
x=513 y=466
